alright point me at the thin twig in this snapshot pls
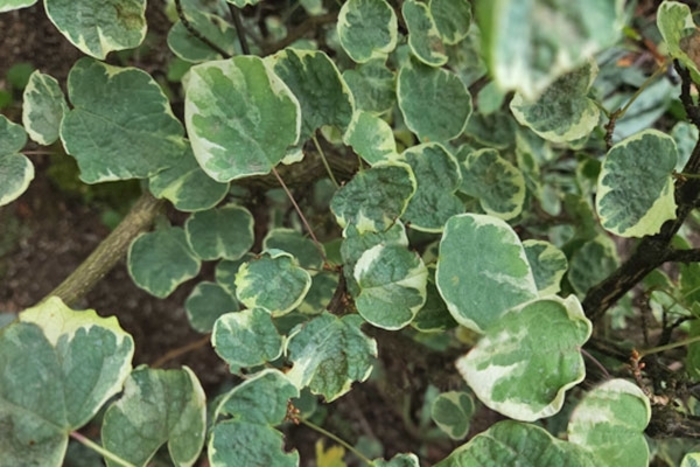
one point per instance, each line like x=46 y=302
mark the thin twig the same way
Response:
x=335 y=438
x=99 y=449
x=186 y=23
x=595 y=361
x=236 y=16
x=172 y=354
x=325 y=161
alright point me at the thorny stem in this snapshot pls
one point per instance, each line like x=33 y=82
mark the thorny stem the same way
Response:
x=325 y=161
x=99 y=449
x=186 y=23
x=338 y=440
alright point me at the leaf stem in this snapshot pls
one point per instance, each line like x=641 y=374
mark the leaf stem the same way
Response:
x=596 y=363
x=236 y=16
x=186 y=23
x=673 y=345
x=171 y=354
x=99 y=449
x=325 y=161
x=659 y=71
x=338 y=440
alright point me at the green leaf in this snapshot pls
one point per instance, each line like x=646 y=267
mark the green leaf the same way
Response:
x=99 y=28
x=323 y=287
x=329 y=353
x=9 y=5
x=157 y=406
x=302 y=248
x=240 y=117
x=375 y=198
x=59 y=367
x=592 y=263
x=206 y=302
x=213 y=27
x=246 y=338
x=691 y=459
x=43 y=108
x=399 y=460
x=610 y=422
x=465 y=58
x=434 y=316
x=438 y=177
x=16 y=170
x=367 y=29
x=494 y=131
x=160 y=261
x=434 y=102
x=274 y=281
x=548 y=265
x=526 y=361
x=498 y=184
x=226 y=273
x=452 y=412
x=635 y=186
x=371 y=137
x=563 y=112
x=243 y=3
x=482 y=271
x=513 y=443
x=423 y=36
x=103 y=131
x=187 y=186
x=686 y=136
x=225 y=232
x=676 y=25
x=392 y=282
x=452 y=19
x=527 y=46
x=373 y=86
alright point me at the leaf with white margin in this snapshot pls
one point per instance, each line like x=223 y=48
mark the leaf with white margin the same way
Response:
x=226 y=271
x=315 y=81
x=101 y=131
x=592 y=263
x=527 y=360
x=392 y=282
x=513 y=443
x=482 y=271
x=423 y=36
x=399 y=460
x=9 y=5
x=676 y=25
x=548 y=265
x=452 y=19
x=438 y=178
x=240 y=117
x=292 y=241
x=329 y=353
x=248 y=436
x=213 y=27
x=59 y=367
x=97 y=28
x=367 y=29
x=495 y=130
x=273 y=281
x=452 y=412
x=635 y=186
x=225 y=232
x=498 y=184
x=157 y=406
x=187 y=186
x=610 y=422
x=246 y=338
x=465 y=57
x=686 y=136
x=435 y=103
x=527 y=46
x=43 y=108
x=16 y=170
x=373 y=85
x=323 y=287
x=243 y=3
x=371 y=137
x=206 y=302
x=159 y=261
x=691 y=459
x=563 y=112
x=375 y=198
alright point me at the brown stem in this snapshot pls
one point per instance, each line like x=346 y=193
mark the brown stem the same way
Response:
x=172 y=354
x=300 y=31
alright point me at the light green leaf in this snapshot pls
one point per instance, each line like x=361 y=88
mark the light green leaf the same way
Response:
x=610 y=422
x=43 y=108
x=240 y=117
x=635 y=186
x=465 y=58
x=399 y=460
x=527 y=46
x=160 y=261
x=548 y=264
x=323 y=286
x=434 y=316
x=482 y=271
x=213 y=27
x=59 y=367
x=526 y=361
x=691 y=459
x=495 y=130
x=246 y=338
x=302 y=248
x=329 y=353
x=423 y=36
x=243 y=3
x=206 y=302
x=367 y=29
x=438 y=177
x=371 y=137
x=157 y=406
x=225 y=232
x=592 y=263
x=101 y=131
x=434 y=102
x=274 y=281
x=375 y=198
x=16 y=170
x=392 y=282
x=97 y=28
x=676 y=25
x=563 y=112
x=9 y=5
x=513 y=443
x=452 y=412
x=452 y=19
x=686 y=136
x=187 y=186
x=498 y=184
x=373 y=86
